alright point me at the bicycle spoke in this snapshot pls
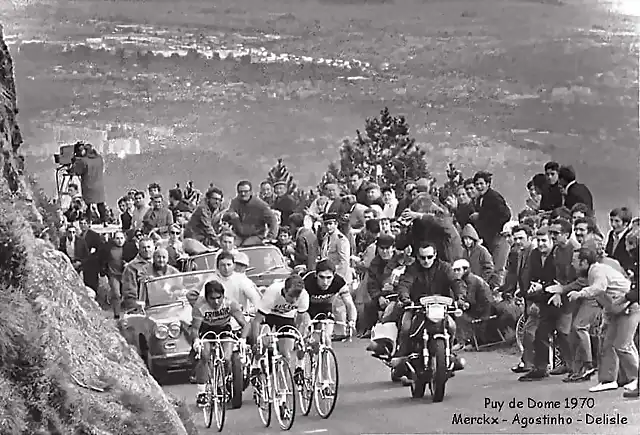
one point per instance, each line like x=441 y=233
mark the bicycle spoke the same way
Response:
x=284 y=394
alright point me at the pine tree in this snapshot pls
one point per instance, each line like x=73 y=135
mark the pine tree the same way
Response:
x=280 y=173
x=385 y=152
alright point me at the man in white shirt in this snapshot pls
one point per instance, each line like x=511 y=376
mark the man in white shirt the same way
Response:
x=238 y=287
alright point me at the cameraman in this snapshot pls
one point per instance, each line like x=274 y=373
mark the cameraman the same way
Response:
x=89 y=166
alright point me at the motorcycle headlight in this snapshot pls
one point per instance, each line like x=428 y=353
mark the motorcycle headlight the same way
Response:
x=161 y=332
x=435 y=312
x=174 y=330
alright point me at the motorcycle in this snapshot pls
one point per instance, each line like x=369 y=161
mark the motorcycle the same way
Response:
x=432 y=362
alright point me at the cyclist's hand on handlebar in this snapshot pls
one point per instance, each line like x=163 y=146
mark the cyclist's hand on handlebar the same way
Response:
x=197 y=345
x=404 y=301
x=352 y=326
x=242 y=341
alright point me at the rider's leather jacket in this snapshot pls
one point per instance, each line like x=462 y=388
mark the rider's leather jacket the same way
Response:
x=418 y=281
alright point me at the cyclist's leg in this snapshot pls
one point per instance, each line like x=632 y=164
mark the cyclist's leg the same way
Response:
x=202 y=372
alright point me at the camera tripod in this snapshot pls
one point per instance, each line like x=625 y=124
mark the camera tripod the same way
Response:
x=63 y=179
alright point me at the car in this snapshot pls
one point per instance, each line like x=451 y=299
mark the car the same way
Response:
x=267 y=264
x=158 y=327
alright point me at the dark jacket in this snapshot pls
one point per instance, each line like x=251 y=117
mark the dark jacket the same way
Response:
x=563 y=260
x=578 y=193
x=307 y=248
x=418 y=281
x=518 y=275
x=378 y=273
x=463 y=213
x=437 y=230
x=255 y=215
x=201 y=225
x=129 y=250
x=478 y=294
x=493 y=213
x=551 y=198
x=80 y=246
x=544 y=273
x=620 y=253
x=125 y=221
x=112 y=260
x=286 y=205
x=90 y=169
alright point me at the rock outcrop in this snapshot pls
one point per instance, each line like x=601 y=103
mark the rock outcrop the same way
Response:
x=64 y=367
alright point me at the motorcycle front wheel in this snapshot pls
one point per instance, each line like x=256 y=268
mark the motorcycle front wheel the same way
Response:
x=439 y=370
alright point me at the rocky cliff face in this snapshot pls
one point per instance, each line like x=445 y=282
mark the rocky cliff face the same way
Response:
x=64 y=367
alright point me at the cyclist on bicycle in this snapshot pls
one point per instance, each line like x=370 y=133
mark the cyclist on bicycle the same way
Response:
x=213 y=313
x=283 y=304
x=323 y=286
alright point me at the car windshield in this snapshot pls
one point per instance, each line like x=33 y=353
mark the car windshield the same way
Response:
x=165 y=291
x=264 y=259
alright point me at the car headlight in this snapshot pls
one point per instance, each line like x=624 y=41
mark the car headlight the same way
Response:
x=174 y=330
x=161 y=332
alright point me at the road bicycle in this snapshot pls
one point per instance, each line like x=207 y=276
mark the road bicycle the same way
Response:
x=320 y=378
x=216 y=385
x=274 y=387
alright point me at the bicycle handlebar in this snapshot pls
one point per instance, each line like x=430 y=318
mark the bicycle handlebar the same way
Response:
x=223 y=337
x=283 y=332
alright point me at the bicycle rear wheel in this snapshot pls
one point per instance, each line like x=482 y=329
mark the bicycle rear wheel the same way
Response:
x=220 y=395
x=284 y=394
x=262 y=397
x=325 y=390
x=305 y=387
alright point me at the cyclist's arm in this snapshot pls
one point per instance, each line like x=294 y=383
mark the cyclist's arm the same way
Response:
x=195 y=328
x=236 y=313
x=303 y=320
x=250 y=291
x=345 y=295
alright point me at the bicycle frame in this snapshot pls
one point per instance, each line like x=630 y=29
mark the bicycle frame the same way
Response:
x=217 y=351
x=269 y=358
x=324 y=321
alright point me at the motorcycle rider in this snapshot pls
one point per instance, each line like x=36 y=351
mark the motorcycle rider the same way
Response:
x=426 y=277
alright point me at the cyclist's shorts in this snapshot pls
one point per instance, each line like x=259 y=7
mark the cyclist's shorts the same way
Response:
x=277 y=322
x=215 y=329
x=315 y=309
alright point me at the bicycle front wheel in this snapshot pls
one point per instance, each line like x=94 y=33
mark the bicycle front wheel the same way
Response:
x=220 y=395
x=207 y=408
x=305 y=385
x=325 y=390
x=284 y=394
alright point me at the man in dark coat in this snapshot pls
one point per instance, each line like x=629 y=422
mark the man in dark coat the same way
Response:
x=74 y=247
x=91 y=266
x=89 y=166
x=574 y=192
x=552 y=195
x=257 y=220
x=493 y=211
x=283 y=202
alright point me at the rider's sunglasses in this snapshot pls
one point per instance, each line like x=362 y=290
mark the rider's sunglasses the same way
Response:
x=175 y=233
x=426 y=257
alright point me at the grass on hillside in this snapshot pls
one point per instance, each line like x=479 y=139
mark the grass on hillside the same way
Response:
x=36 y=394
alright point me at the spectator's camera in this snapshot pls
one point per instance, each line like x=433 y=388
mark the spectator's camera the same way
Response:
x=66 y=155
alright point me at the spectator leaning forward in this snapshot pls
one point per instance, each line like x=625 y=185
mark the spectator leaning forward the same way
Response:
x=574 y=192
x=89 y=166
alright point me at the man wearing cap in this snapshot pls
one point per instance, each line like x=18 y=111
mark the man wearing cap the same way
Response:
x=241 y=263
x=379 y=279
x=336 y=247
x=478 y=301
x=283 y=202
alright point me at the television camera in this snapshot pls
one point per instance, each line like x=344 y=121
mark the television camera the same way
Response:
x=64 y=161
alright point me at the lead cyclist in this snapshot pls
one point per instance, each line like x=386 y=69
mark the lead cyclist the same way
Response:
x=324 y=285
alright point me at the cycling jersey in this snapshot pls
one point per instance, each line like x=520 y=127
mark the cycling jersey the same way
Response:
x=212 y=318
x=321 y=301
x=274 y=303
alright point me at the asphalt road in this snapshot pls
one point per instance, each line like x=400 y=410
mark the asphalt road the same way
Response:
x=369 y=403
